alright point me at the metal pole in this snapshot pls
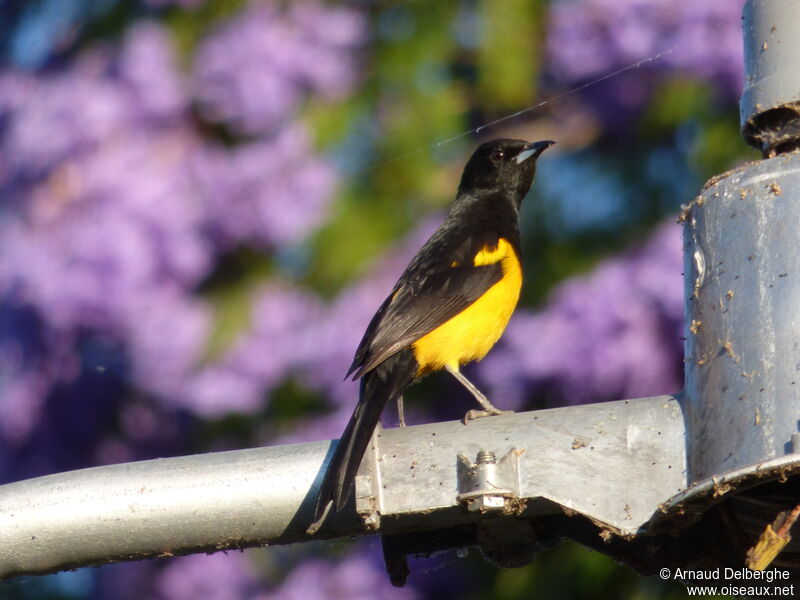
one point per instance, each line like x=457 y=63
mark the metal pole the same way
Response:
x=742 y=237
x=742 y=251
x=769 y=107
x=415 y=478
x=153 y=508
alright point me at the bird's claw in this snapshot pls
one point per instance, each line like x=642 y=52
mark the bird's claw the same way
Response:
x=479 y=414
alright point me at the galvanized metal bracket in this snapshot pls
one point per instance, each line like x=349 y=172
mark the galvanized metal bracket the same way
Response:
x=368 y=485
x=488 y=484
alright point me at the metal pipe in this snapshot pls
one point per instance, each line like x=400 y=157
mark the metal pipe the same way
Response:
x=742 y=250
x=771 y=49
x=582 y=458
x=160 y=507
x=770 y=103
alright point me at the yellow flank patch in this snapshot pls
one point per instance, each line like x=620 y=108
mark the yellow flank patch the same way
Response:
x=489 y=256
x=471 y=334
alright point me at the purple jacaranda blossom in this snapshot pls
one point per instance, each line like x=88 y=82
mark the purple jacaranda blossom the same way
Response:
x=103 y=95
x=102 y=234
x=125 y=581
x=115 y=213
x=613 y=334
x=626 y=50
x=281 y=337
x=353 y=577
x=271 y=192
x=357 y=575
x=165 y=334
x=592 y=38
x=43 y=125
x=64 y=404
x=97 y=234
x=331 y=35
x=253 y=71
x=147 y=66
x=221 y=576
x=32 y=359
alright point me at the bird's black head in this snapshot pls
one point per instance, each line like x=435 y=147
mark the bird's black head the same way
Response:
x=502 y=166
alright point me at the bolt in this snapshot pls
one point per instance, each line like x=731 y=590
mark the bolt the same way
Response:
x=486 y=457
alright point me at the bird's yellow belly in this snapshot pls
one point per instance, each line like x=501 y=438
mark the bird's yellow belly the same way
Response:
x=471 y=334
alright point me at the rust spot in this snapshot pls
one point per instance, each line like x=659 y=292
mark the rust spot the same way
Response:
x=728 y=347
x=720 y=489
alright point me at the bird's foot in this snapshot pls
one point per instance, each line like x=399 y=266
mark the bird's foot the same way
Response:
x=479 y=414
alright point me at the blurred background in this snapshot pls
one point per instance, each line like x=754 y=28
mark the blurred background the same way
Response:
x=202 y=203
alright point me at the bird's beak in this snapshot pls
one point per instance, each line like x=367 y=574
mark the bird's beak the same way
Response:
x=533 y=149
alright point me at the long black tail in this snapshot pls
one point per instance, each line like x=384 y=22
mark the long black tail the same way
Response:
x=378 y=386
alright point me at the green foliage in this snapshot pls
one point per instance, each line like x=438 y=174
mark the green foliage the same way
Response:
x=675 y=102
x=571 y=571
x=409 y=101
x=680 y=103
x=189 y=26
x=507 y=64
x=719 y=147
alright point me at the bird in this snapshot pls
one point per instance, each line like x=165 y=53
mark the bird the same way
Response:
x=448 y=308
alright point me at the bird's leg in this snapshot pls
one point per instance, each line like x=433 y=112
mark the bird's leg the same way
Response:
x=400 y=414
x=488 y=408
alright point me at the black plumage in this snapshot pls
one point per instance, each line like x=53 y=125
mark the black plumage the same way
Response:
x=442 y=281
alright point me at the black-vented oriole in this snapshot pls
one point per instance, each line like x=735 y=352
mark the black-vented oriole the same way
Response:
x=448 y=308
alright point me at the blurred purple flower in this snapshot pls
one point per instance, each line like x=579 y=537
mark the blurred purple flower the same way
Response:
x=147 y=65
x=613 y=334
x=102 y=233
x=591 y=38
x=31 y=360
x=109 y=211
x=221 y=576
x=165 y=336
x=270 y=192
x=43 y=125
x=252 y=72
x=354 y=577
x=280 y=338
x=102 y=96
x=230 y=576
x=103 y=230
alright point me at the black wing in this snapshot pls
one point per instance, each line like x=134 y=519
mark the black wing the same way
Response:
x=439 y=283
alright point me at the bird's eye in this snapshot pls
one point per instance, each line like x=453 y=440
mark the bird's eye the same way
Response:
x=497 y=155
